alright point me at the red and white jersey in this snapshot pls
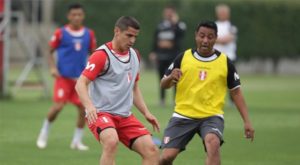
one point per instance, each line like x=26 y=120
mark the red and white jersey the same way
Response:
x=99 y=62
x=57 y=36
x=72 y=49
x=113 y=77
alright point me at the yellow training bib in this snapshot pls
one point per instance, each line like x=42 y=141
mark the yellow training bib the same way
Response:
x=202 y=88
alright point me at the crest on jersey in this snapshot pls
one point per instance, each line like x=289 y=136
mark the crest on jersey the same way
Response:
x=77 y=44
x=202 y=75
x=166 y=139
x=129 y=77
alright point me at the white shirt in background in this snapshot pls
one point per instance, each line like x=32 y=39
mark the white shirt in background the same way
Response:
x=225 y=28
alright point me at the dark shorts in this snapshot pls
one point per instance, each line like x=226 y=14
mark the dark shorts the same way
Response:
x=180 y=131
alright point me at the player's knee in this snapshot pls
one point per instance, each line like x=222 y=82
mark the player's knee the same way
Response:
x=212 y=143
x=151 y=151
x=167 y=158
x=110 y=145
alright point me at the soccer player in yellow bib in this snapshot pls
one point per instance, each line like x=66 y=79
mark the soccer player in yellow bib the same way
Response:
x=202 y=77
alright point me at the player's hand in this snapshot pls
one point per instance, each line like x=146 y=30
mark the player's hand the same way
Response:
x=152 y=120
x=249 y=131
x=175 y=75
x=91 y=115
x=54 y=72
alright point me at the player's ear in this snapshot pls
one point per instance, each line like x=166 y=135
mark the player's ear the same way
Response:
x=116 y=30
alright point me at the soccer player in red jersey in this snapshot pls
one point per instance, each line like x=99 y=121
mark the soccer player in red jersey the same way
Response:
x=72 y=44
x=108 y=88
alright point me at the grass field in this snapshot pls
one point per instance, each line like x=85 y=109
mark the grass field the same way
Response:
x=274 y=104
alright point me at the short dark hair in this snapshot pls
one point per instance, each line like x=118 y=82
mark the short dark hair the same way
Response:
x=75 y=6
x=208 y=24
x=126 y=21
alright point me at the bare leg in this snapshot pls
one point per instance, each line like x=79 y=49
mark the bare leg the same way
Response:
x=168 y=155
x=147 y=149
x=109 y=140
x=78 y=134
x=54 y=111
x=212 y=143
x=52 y=114
x=81 y=116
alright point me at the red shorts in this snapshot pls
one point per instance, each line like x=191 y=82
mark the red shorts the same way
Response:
x=64 y=91
x=128 y=128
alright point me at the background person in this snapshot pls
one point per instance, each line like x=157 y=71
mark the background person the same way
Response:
x=72 y=44
x=167 y=41
x=227 y=32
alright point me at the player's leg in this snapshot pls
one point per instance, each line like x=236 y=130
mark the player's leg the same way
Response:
x=109 y=140
x=54 y=110
x=147 y=149
x=212 y=144
x=176 y=136
x=134 y=135
x=80 y=123
x=60 y=97
x=212 y=131
x=104 y=130
x=79 y=131
x=51 y=116
x=44 y=132
x=168 y=155
x=81 y=116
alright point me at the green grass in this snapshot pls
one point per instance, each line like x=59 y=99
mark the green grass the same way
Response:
x=273 y=103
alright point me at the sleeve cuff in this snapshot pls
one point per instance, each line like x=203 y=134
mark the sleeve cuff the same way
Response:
x=238 y=86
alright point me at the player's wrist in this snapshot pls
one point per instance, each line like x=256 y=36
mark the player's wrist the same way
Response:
x=247 y=123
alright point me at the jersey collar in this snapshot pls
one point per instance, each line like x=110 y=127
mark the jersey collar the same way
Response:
x=205 y=59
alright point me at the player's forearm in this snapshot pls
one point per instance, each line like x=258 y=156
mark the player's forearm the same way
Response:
x=240 y=103
x=51 y=60
x=82 y=91
x=166 y=82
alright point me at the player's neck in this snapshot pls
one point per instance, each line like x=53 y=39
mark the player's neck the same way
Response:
x=206 y=54
x=117 y=48
x=75 y=27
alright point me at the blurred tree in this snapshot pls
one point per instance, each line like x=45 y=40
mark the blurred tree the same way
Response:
x=267 y=29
